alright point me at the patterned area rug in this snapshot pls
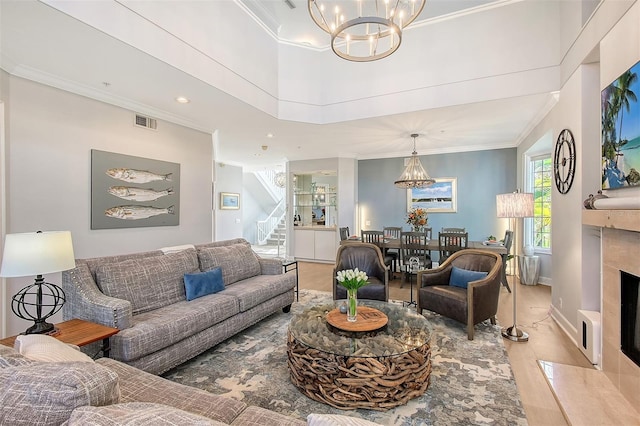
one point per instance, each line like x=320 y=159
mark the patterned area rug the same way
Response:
x=471 y=381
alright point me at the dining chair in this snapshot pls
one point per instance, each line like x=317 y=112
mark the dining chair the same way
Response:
x=466 y=288
x=451 y=242
x=368 y=258
x=344 y=233
x=508 y=241
x=414 y=245
x=377 y=238
x=393 y=232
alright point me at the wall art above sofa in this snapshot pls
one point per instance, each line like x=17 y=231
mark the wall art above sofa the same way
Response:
x=133 y=192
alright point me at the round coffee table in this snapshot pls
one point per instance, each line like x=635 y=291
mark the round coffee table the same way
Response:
x=376 y=370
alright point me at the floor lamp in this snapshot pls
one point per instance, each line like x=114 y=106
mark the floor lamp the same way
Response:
x=514 y=205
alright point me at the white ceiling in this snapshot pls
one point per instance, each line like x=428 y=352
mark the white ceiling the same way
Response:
x=41 y=43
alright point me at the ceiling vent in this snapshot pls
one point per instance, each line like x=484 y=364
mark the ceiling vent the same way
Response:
x=290 y=4
x=146 y=122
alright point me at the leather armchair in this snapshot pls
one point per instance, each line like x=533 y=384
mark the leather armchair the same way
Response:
x=471 y=305
x=368 y=258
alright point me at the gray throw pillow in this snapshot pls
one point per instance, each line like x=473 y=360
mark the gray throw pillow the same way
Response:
x=238 y=261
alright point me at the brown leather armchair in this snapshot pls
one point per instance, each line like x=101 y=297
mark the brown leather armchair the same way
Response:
x=368 y=258
x=471 y=305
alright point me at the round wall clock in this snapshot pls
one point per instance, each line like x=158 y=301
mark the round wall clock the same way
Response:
x=564 y=161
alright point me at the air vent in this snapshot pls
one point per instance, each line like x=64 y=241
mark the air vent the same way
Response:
x=290 y=4
x=146 y=122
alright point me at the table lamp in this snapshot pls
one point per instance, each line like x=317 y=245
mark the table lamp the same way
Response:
x=37 y=253
x=514 y=205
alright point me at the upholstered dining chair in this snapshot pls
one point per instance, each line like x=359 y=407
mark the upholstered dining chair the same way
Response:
x=344 y=233
x=368 y=258
x=508 y=241
x=451 y=242
x=414 y=245
x=465 y=287
x=377 y=238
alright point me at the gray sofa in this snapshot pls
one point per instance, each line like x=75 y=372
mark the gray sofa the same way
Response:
x=109 y=392
x=143 y=295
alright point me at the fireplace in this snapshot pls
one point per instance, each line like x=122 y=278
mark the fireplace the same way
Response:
x=630 y=316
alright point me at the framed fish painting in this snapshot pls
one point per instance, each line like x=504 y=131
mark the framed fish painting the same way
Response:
x=133 y=192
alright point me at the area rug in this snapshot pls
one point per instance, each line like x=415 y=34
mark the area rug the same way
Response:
x=471 y=381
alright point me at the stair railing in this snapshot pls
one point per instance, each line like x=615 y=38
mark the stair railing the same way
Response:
x=267 y=226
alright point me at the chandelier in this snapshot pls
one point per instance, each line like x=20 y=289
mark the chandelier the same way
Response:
x=364 y=30
x=414 y=176
x=280 y=179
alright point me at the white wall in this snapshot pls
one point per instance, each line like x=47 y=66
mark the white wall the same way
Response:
x=49 y=143
x=228 y=223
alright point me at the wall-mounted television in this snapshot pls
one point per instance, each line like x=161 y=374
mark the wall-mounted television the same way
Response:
x=620 y=131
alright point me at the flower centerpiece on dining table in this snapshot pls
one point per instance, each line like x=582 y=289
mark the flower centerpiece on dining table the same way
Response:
x=352 y=280
x=417 y=218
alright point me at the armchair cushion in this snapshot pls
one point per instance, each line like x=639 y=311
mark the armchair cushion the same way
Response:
x=203 y=283
x=461 y=277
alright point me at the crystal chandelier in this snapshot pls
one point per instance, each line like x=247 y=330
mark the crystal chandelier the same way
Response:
x=414 y=176
x=280 y=179
x=364 y=30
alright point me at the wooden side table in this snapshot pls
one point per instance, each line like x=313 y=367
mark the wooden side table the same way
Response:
x=78 y=332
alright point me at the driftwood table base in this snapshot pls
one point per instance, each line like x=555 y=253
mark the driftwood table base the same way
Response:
x=350 y=382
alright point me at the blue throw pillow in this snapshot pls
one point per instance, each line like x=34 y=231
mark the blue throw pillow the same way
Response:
x=203 y=283
x=461 y=277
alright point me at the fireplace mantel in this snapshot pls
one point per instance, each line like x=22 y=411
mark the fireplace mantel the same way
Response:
x=628 y=220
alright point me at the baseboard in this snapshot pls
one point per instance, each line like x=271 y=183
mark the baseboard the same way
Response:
x=567 y=326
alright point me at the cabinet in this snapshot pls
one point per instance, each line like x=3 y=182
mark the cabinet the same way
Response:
x=315 y=244
x=315 y=201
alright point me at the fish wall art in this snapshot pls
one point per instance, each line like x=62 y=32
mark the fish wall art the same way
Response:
x=131 y=192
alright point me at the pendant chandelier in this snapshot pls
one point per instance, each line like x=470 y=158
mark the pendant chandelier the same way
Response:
x=364 y=30
x=414 y=176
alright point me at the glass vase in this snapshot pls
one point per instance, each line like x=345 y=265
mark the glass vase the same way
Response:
x=352 y=308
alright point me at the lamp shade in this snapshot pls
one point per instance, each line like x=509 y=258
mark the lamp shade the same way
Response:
x=37 y=253
x=515 y=204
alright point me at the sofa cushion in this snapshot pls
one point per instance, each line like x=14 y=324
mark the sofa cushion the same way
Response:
x=40 y=347
x=461 y=277
x=148 y=283
x=203 y=283
x=256 y=290
x=47 y=393
x=9 y=357
x=155 y=330
x=139 y=386
x=238 y=261
x=136 y=413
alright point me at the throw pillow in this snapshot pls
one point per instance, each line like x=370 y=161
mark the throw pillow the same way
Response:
x=203 y=283
x=40 y=347
x=47 y=393
x=138 y=413
x=336 y=420
x=461 y=277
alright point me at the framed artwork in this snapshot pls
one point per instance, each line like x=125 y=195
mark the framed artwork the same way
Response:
x=620 y=131
x=229 y=201
x=441 y=197
x=133 y=192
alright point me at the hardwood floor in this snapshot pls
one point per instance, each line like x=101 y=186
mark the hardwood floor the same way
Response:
x=546 y=340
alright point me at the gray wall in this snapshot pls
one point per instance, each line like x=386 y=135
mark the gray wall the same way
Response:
x=481 y=175
x=48 y=185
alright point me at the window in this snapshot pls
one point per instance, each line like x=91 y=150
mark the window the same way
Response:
x=541 y=172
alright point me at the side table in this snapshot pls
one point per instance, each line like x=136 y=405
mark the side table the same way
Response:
x=292 y=265
x=78 y=332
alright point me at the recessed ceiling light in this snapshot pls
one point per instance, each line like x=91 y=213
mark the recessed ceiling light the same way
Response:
x=182 y=100
x=270 y=135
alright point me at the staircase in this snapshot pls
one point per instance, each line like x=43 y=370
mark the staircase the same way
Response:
x=278 y=234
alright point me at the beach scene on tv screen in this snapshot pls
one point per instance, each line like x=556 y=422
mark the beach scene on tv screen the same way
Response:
x=621 y=131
